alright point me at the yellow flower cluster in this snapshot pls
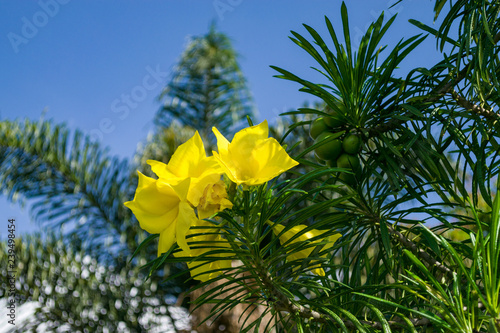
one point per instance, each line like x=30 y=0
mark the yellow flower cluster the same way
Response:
x=191 y=180
x=252 y=158
x=287 y=236
x=166 y=205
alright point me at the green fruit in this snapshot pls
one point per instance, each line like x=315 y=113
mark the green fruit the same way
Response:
x=335 y=119
x=331 y=163
x=348 y=161
x=333 y=122
x=351 y=144
x=329 y=150
x=318 y=126
x=319 y=160
x=347 y=178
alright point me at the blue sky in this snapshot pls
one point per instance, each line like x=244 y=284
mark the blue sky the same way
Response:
x=79 y=60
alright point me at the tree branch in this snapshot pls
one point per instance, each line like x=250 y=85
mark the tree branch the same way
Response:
x=419 y=252
x=392 y=323
x=283 y=303
x=468 y=105
x=66 y=181
x=438 y=93
x=308 y=314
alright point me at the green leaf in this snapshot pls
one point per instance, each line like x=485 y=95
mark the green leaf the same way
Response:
x=143 y=244
x=433 y=31
x=431 y=239
x=386 y=241
x=380 y=316
x=352 y=318
x=433 y=318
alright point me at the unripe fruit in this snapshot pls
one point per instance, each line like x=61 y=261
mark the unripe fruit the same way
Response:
x=331 y=163
x=329 y=150
x=319 y=160
x=333 y=122
x=347 y=178
x=318 y=126
x=348 y=161
x=351 y=144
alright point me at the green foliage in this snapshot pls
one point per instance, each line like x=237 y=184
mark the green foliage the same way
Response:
x=427 y=170
x=51 y=276
x=69 y=181
x=160 y=145
x=428 y=163
x=262 y=277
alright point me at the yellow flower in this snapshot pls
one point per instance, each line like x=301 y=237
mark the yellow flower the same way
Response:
x=189 y=161
x=214 y=200
x=162 y=208
x=200 y=270
x=302 y=254
x=252 y=158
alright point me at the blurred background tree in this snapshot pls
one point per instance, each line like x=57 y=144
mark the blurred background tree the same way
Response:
x=74 y=188
x=62 y=288
x=207 y=89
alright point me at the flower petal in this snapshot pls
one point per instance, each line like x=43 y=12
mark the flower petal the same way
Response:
x=155 y=207
x=273 y=159
x=161 y=169
x=227 y=167
x=305 y=253
x=198 y=185
x=186 y=218
x=241 y=151
x=253 y=133
x=222 y=143
x=189 y=161
x=252 y=158
x=184 y=162
x=199 y=273
x=181 y=189
x=153 y=223
x=319 y=271
x=199 y=269
x=167 y=239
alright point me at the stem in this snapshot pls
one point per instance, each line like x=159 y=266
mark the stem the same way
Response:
x=419 y=252
x=497 y=325
x=468 y=105
x=246 y=205
x=283 y=303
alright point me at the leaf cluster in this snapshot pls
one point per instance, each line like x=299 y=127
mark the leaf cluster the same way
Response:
x=51 y=275
x=419 y=224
